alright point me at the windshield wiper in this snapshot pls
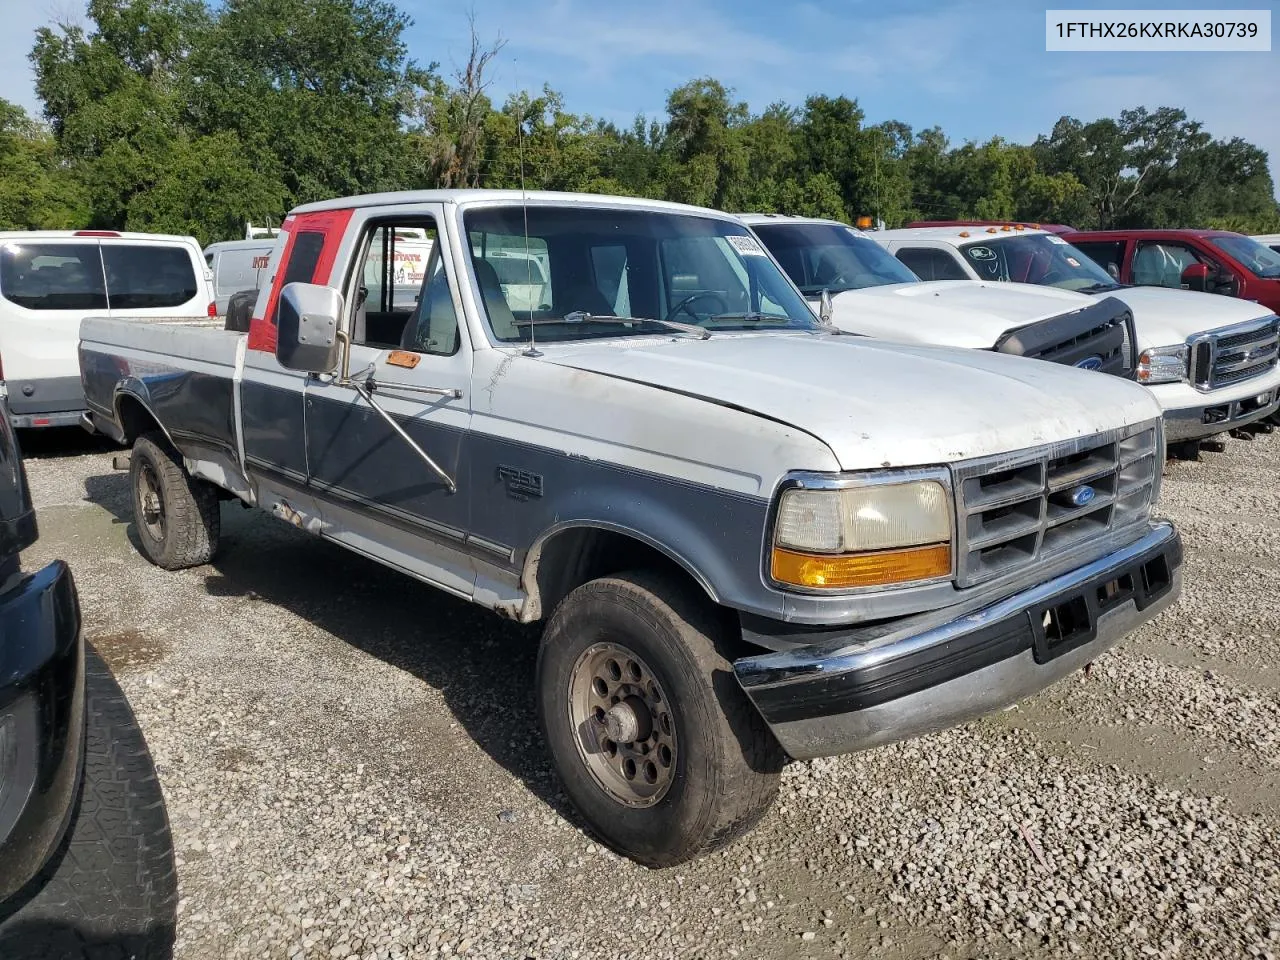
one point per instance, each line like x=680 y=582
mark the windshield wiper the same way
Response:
x=1099 y=288
x=582 y=316
x=751 y=315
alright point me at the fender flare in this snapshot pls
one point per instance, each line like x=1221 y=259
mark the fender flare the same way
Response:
x=136 y=389
x=528 y=572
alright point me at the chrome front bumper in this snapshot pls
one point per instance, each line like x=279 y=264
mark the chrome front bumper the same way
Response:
x=1198 y=422
x=838 y=696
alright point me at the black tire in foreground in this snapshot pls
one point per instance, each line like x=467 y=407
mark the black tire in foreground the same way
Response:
x=177 y=515
x=656 y=745
x=111 y=892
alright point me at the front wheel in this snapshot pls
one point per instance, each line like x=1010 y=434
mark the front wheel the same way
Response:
x=657 y=747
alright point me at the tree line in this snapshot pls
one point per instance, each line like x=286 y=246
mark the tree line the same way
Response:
x=189 y=116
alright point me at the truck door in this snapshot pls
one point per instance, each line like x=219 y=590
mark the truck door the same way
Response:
x=379 y=494
x=275 y=450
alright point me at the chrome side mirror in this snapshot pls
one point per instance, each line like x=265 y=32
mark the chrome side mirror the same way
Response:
x=307 y=336
x=825 y=309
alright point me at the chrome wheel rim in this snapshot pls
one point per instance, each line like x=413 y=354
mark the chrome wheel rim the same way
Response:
x=150 y=502
x=625 y=730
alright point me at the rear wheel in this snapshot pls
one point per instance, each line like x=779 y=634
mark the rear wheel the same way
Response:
x=657 y=746
x=176 y=515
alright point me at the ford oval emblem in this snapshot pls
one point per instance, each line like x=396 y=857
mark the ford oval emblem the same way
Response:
x=1082 y=495
x=1090 y=363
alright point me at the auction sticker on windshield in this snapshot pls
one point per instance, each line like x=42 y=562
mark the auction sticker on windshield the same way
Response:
x=746 y=246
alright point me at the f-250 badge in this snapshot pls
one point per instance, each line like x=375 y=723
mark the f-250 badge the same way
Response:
x=521 y=484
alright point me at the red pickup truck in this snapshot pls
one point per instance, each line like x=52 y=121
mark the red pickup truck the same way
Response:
x=1215 y=261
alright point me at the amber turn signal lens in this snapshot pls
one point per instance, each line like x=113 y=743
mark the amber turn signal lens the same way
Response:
x=875 y=569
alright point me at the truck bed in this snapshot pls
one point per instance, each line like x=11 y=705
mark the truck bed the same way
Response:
x=182 y=370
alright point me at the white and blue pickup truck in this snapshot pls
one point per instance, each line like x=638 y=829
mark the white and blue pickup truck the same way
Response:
x=751 y=536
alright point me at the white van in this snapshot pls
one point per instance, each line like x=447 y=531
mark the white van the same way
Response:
x=51 y=279
x=237 y=265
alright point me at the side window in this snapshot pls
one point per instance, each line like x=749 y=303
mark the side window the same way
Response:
x=929 y=264
x=1161 y=264
x=1108 y=254
x=146 y=277
x=403 y=300
x=52 y=276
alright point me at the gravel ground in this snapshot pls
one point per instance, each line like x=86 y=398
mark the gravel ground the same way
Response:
x=352 y=769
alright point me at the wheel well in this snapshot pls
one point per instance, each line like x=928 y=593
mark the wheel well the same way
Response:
x=575 y=556
x=135 y=418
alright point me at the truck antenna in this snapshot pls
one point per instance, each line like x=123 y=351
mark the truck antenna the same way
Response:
x=524 y=209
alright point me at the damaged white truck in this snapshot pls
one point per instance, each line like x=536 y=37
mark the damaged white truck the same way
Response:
x=750 y=536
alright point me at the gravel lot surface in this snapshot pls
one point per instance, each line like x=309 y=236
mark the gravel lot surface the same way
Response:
x=352 y=769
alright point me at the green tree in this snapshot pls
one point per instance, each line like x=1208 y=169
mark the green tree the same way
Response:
x=704 y=159
x=317 y=91
x=37 y=190
x=1158 y=169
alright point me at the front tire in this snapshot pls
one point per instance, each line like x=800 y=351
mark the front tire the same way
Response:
x=176 y=515
x=657 y=746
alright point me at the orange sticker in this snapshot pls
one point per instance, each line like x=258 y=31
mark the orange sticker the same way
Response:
x=403 y=358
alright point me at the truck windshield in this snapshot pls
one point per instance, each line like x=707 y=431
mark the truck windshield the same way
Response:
x=1261 y=259
x=1043 y=259
x=830 y=256
x=579 y=263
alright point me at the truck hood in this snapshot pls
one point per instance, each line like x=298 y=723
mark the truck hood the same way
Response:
x=952 y=313
x=874 y=403
x=1163 y=316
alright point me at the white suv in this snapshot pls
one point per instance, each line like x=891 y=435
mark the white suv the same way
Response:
x=51 y=279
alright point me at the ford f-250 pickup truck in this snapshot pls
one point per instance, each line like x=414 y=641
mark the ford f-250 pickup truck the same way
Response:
x=750 y=536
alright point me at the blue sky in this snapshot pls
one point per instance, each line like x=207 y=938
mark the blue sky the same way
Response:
x=977 y=69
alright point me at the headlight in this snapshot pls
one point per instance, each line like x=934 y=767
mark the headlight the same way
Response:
x=864 y=536
x=1163 y=365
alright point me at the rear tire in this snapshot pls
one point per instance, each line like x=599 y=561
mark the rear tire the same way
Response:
x=644 y=659
x=176 y=515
